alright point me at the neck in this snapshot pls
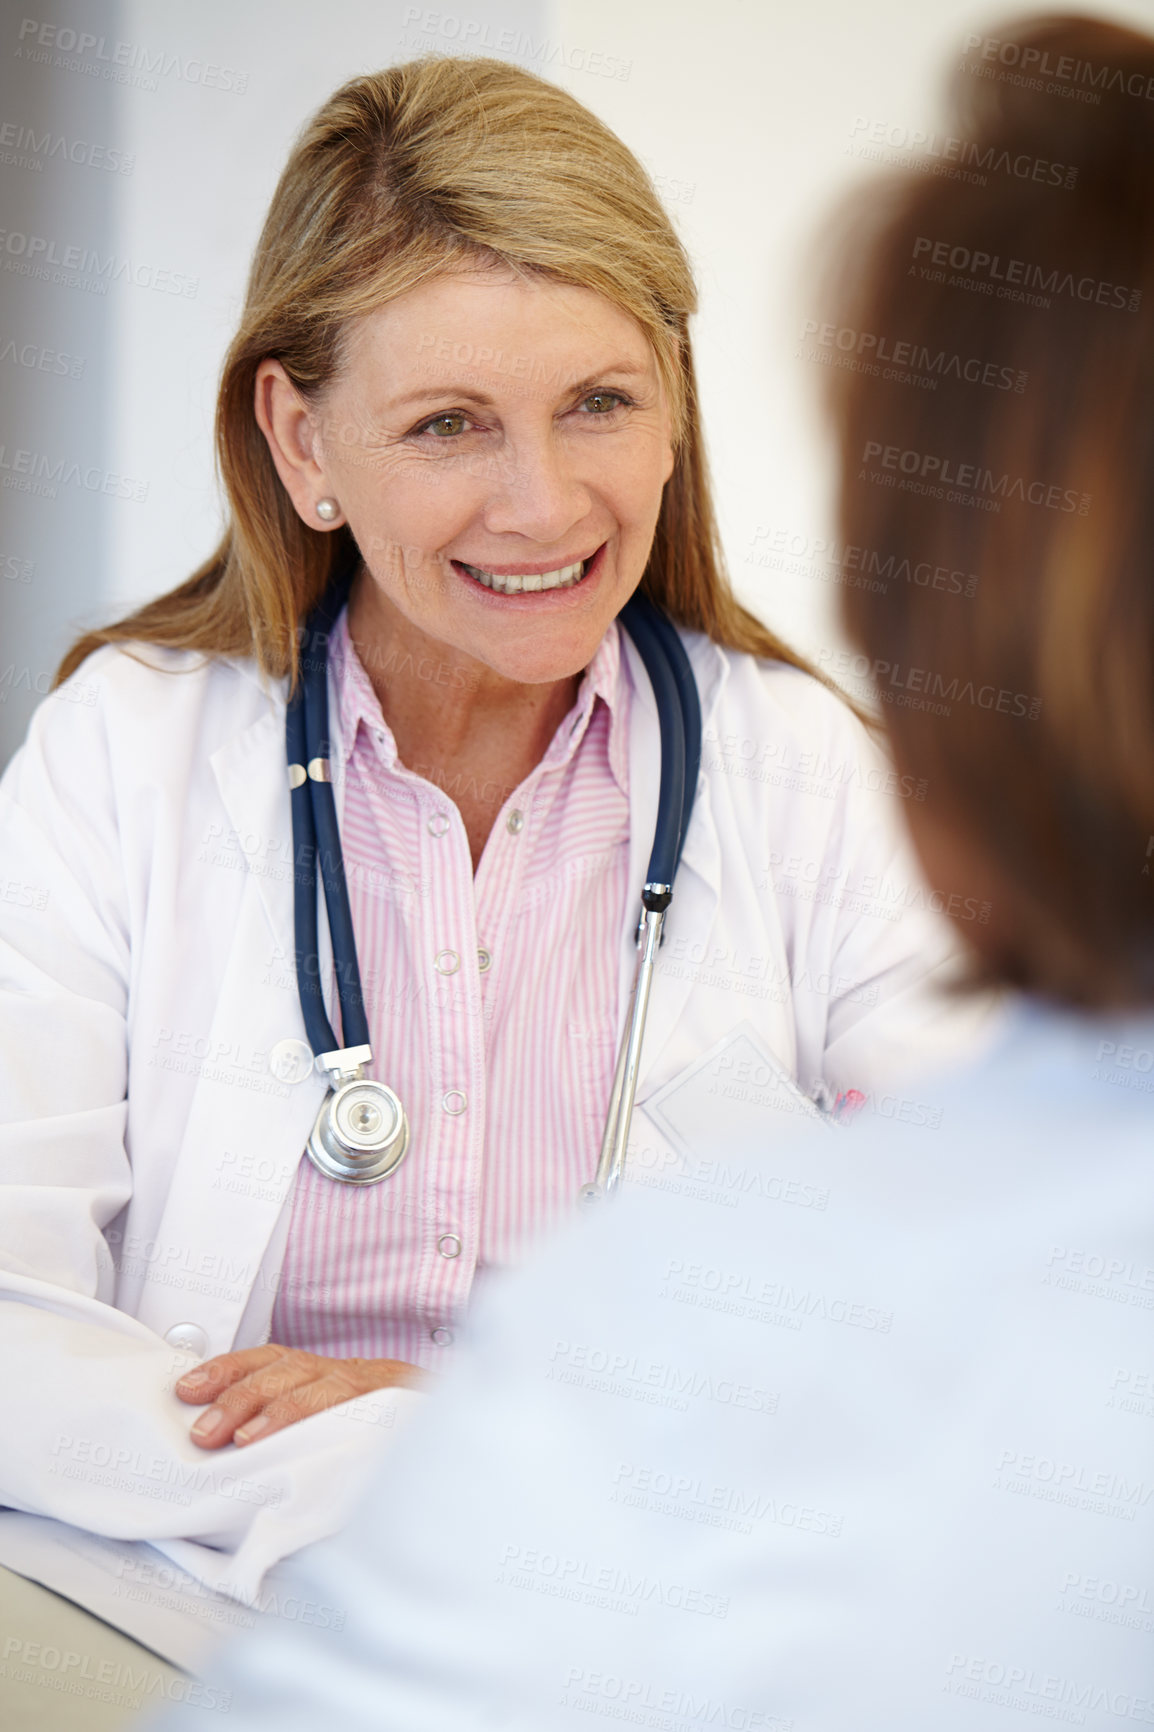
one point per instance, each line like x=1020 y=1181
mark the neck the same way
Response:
x=469 y=730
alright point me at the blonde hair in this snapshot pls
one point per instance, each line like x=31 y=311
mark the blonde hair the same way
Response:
x=405 y=174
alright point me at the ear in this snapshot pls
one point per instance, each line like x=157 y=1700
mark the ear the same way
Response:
x=289 y=426
x=670 y=459
x=671 y=442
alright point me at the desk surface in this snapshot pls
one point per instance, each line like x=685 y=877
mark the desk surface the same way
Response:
x=62 y=1670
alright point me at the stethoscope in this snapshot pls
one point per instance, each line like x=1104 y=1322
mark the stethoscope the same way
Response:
x=361 y=1132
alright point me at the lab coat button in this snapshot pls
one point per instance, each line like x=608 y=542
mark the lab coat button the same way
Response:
x=446 y=962
x=291 y=1061
x=515 y=823
x=442 y=1337
x=484 y=960
x=438 y=824
x=449 y=1245
x=454 y=1102
x=189 y=1336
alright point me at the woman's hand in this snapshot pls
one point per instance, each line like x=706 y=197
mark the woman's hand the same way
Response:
x=262 y=1389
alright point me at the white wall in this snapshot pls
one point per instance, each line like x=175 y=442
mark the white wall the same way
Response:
x=745 y=110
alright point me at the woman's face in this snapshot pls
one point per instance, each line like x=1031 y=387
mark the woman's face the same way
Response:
x=498 y=447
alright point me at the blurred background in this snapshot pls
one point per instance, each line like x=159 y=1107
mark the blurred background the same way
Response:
x=140 y=141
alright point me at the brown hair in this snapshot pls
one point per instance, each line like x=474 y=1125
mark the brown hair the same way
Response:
x=1022 y=280
x=416 y=170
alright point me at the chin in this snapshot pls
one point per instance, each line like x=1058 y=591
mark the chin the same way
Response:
x=541 y=663
x=511 y=648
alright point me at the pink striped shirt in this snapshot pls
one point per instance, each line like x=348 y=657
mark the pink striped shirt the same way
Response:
x=492 y=1004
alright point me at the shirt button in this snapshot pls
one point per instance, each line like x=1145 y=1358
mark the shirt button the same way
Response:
x=446 y=962
x=455 y=1102
x=515 y=823
x=438 y=824
x=484 y=960
x=449 y=1245
x=441 y=1337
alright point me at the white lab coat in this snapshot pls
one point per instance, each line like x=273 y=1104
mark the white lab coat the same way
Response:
x=873 y=1452
x=153 y=1099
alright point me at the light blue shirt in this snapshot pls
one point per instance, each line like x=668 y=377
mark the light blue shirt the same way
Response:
x=856 y=1437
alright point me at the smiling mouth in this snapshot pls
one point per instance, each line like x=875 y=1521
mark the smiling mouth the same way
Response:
x=529 y=583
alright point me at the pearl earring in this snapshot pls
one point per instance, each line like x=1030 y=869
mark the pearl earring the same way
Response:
x=327 y=510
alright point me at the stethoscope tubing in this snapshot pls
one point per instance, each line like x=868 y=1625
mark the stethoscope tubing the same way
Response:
x=679 y=722
x=317 y=841
x=354 y=1021
x=305 y=940
x=682 y=670
x=637 y=616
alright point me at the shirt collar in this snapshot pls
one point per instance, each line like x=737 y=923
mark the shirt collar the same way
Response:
x=605 y=679
x=357 y=703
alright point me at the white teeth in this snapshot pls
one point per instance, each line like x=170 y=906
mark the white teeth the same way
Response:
x=564 y=578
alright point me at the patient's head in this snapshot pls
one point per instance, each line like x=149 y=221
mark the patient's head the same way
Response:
x=1015 y=272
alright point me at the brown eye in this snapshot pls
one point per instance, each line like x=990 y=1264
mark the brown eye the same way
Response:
x=602 y=402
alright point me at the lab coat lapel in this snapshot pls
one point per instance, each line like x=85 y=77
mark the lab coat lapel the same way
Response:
x=696 y=892
x=251 y=775
x=264 y=1116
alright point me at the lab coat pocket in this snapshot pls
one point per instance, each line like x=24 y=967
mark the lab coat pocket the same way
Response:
x=734 y=1100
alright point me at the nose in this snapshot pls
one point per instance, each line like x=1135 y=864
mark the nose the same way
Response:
x=538 y=494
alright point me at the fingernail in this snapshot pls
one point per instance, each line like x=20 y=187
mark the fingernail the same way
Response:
x=209 y=1423
x=194 y=1380
x=252 y=1428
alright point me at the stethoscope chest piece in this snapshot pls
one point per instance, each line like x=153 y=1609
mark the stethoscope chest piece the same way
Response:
x=361 y=1134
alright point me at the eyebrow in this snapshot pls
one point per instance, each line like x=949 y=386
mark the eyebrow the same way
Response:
x=468 y=394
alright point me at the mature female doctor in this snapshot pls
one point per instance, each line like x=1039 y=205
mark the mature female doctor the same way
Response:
x=463 y=377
